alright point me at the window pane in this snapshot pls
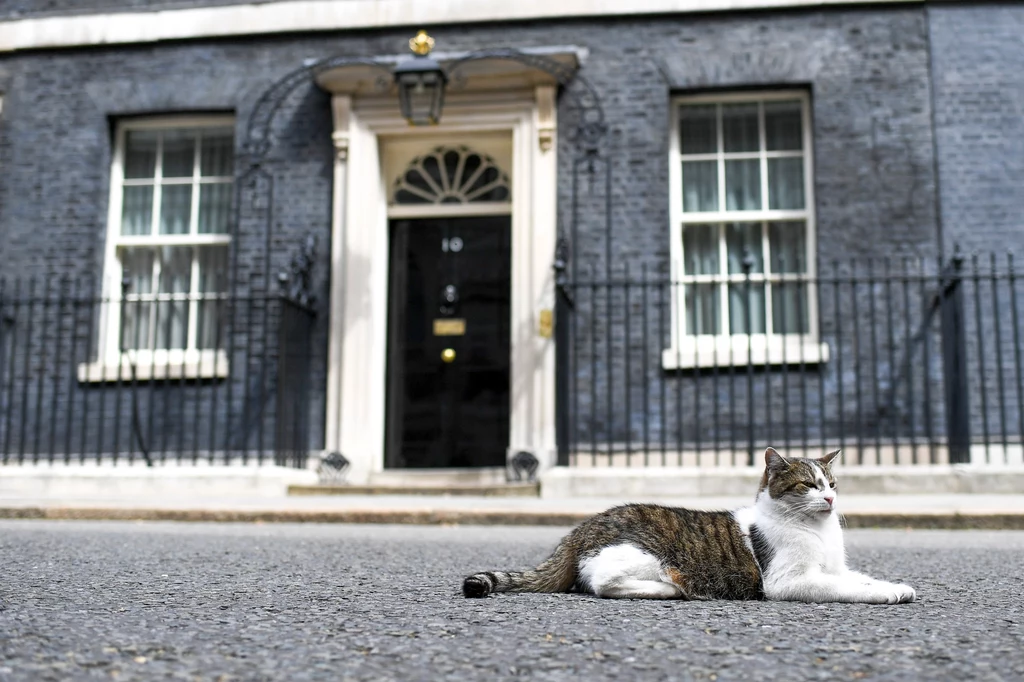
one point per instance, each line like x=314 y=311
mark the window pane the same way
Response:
x=702 y=309
x=213 y=271
x=217 y=153
x=175 y=209
x=179 y=153
x=787 y=244
x=140 y=154
x=488 y=186
x=137 y=267
x=175 y=269
x=171 y=324
x=136 y=322
x=783 y=126
x=743 y=317
x=451 y=166
x=137 y=211
x=742 y=239
x=700 y=186
x=789 y=308
x=743 y=185
x=173 y=311
x=786 y=183
x=214 y=208
x=739 y=128
x=471 y=166
x=433 y=170
x=700 y=250
x=697 y=129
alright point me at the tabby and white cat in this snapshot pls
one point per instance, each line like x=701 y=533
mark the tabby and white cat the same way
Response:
x=787 y=546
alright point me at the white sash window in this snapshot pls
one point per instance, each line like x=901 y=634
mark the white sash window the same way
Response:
x=742 y=191
x=171 y=197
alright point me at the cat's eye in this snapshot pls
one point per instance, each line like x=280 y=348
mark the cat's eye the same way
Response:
x=832 y=485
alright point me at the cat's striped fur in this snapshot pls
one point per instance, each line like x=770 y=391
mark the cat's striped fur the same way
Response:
x=704 y=552
x=788 y=545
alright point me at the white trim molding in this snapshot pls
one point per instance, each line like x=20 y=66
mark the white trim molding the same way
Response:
x=546 y=117
x=359 y=296
x=289 y=16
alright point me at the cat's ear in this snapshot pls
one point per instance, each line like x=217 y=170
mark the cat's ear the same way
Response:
x=830 y=457
x=773 y=461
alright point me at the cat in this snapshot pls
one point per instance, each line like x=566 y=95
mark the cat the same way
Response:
x=787 y=546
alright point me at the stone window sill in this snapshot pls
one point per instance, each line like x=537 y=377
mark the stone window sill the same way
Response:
x=739 y=351
x=156 y=367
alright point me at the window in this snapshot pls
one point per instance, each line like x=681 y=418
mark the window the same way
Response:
x=452 y=175
x=742 y=192
x=171 y=200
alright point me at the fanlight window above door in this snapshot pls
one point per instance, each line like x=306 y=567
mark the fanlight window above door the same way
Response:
x=451 y=175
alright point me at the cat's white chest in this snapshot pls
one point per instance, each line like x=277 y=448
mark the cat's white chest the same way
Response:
x=810 y=550
x=834 y=555
x=797 y=547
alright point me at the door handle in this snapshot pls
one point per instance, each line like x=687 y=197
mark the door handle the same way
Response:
x=448 y=355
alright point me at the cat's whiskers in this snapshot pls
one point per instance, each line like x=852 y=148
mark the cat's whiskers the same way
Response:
x=787 y=513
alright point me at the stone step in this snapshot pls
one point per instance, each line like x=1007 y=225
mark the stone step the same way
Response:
x=478 y=490
x=403 y=478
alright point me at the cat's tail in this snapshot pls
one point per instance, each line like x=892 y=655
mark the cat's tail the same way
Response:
x=557 y=574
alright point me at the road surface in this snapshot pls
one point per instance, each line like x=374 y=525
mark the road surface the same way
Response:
x=127 y=601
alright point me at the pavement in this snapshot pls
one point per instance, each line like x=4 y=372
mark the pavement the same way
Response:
x=949 y=511
x=298 y=602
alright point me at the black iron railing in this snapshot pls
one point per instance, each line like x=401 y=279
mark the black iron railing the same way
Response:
x=901 y=362
x=149 y=379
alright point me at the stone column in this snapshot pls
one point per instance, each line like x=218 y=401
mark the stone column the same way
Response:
x=341 y=107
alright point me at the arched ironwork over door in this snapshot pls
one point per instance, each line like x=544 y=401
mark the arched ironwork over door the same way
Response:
x=581 y=118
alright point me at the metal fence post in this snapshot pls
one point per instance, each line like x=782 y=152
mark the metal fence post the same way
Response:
x=284 y=434
x=561 y=333
x=748 y=266
x=954 y=362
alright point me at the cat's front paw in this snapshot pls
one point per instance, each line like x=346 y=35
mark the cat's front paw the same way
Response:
x=898 y=593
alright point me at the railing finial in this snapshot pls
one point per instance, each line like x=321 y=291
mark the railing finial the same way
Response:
x=748 y=260
x=958 y=257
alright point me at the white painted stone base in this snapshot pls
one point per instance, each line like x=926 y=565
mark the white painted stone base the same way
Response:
x=668 y=482
x=107 y=481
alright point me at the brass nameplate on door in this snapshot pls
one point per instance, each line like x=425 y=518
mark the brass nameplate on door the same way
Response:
x=449 y=326
x=546 y=323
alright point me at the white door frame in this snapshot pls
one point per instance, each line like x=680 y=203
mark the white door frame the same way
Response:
x=355 y=422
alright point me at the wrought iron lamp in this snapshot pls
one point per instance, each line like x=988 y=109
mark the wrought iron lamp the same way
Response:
x=421 y=83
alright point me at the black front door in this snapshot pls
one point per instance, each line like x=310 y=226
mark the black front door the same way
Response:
x=448 y=342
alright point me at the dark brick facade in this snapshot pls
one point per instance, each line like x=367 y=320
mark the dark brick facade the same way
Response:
x=867 y=72
x=866 y=69
x=978 y=78
x=978 y=75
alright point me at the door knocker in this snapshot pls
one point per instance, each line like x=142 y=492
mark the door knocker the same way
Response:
x=449 y=299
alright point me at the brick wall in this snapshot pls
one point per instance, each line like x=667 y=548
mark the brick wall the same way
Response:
x=978 y=65
x=978 y=76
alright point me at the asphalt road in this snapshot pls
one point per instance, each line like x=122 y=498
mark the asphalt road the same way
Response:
x=82 y=601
